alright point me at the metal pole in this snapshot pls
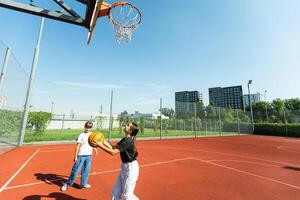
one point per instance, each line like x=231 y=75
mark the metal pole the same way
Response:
x=266 y=106
x=110 y=116
x=237 y=114
x=250 y=103
x=195 y=113
x=285 y=122
x=205 y=115
x=160 y=118
x=4 y=67
x=31 y=78
x=175 y=123
x=63 y=123
x=220 y=120
x=52 y=103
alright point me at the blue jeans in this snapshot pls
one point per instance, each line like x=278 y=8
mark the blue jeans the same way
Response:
x=83 y=163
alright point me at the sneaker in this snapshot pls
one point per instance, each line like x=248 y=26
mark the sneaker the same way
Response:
x=64 y=187
x=86 y=186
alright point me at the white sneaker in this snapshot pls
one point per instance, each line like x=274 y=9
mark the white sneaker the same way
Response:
x=86 y=186
x=64 y=187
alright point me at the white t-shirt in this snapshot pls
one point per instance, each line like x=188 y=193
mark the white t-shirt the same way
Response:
x=85 y=149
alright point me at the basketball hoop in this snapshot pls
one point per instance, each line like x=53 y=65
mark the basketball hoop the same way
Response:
x=124 y=18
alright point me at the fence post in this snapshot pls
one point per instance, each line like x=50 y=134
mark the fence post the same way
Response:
x=160 y=118
x=205 y=126
x=238 y=120
x=30 y=84
x=285 y=122
x=63 y=123
x=220 y=121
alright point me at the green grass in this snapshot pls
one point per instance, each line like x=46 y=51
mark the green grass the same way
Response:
x=72 y=134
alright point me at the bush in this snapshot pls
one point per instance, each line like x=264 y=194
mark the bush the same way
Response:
x=10 y=122
x=233 y=127
x=278 y=129
x=39 y=121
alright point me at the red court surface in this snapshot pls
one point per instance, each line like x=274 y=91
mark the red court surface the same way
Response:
x=230 y=168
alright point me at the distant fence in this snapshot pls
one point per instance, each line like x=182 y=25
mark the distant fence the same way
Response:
x=63 y=121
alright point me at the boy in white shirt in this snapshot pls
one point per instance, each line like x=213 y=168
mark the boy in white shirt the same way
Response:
x=82 y=158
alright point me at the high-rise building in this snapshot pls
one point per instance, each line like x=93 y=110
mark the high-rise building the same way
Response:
x=227 y=97
x=254 y=99
x=186 y=102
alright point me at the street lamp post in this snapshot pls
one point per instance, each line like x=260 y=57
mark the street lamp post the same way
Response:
x=52 y=103
x=250 y=103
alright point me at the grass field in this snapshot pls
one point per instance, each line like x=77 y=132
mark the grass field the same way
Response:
x=72 y=134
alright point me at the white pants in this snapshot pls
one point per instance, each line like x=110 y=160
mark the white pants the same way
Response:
x=126 y=182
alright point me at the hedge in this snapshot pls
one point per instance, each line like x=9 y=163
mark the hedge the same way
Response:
x=277 y=129
x=10 y=122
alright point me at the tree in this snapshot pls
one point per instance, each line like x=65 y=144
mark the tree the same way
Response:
x=277 y=110
x=292 y=104
x=228 y=115
x=142 y=125
x=211 y=112
x=167 y=112
x=39 y=121
x=99 y=120
x=259 y=111
x=201 y=110
x=122 y=117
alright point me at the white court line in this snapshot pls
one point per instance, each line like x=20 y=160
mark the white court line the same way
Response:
x=283 y=148
x=103 y=172
x=248 y=173
x=4 y=186
x=248 y=143
x=244 y=161
x=56 y=150
x=230 y=154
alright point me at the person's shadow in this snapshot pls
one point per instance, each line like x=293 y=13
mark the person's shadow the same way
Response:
x=51 y=179
x=292 y=168
x=54 y=179
x=53 y=195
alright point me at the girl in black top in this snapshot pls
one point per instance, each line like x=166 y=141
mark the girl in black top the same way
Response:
x=129 y=173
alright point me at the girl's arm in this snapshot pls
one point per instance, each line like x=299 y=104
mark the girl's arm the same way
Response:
x=107 y=144
x=106 y=149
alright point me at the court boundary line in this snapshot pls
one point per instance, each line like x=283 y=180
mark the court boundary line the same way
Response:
x=17 y=172
x=102 y=172
x=216 y=152
x=243 y=161
x=285 y=148
x=249 y=173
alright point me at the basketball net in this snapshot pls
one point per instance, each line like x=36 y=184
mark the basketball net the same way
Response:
x=124 y=18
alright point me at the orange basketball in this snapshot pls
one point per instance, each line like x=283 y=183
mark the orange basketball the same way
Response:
x=96 y=137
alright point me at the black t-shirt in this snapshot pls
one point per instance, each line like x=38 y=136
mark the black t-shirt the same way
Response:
x=127 y=149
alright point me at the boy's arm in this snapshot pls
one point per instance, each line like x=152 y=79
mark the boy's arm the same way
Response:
x=76 y=152
x=96 y=151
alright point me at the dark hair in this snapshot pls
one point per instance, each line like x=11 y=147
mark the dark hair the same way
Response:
x=88 y=124
x=134 y=129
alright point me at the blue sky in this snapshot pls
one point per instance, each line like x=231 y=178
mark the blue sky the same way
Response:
x=192 y=45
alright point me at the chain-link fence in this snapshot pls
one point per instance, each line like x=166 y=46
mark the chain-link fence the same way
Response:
x=194 y=120
x=280 y=117
x=187 y=120
x=13 y=83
